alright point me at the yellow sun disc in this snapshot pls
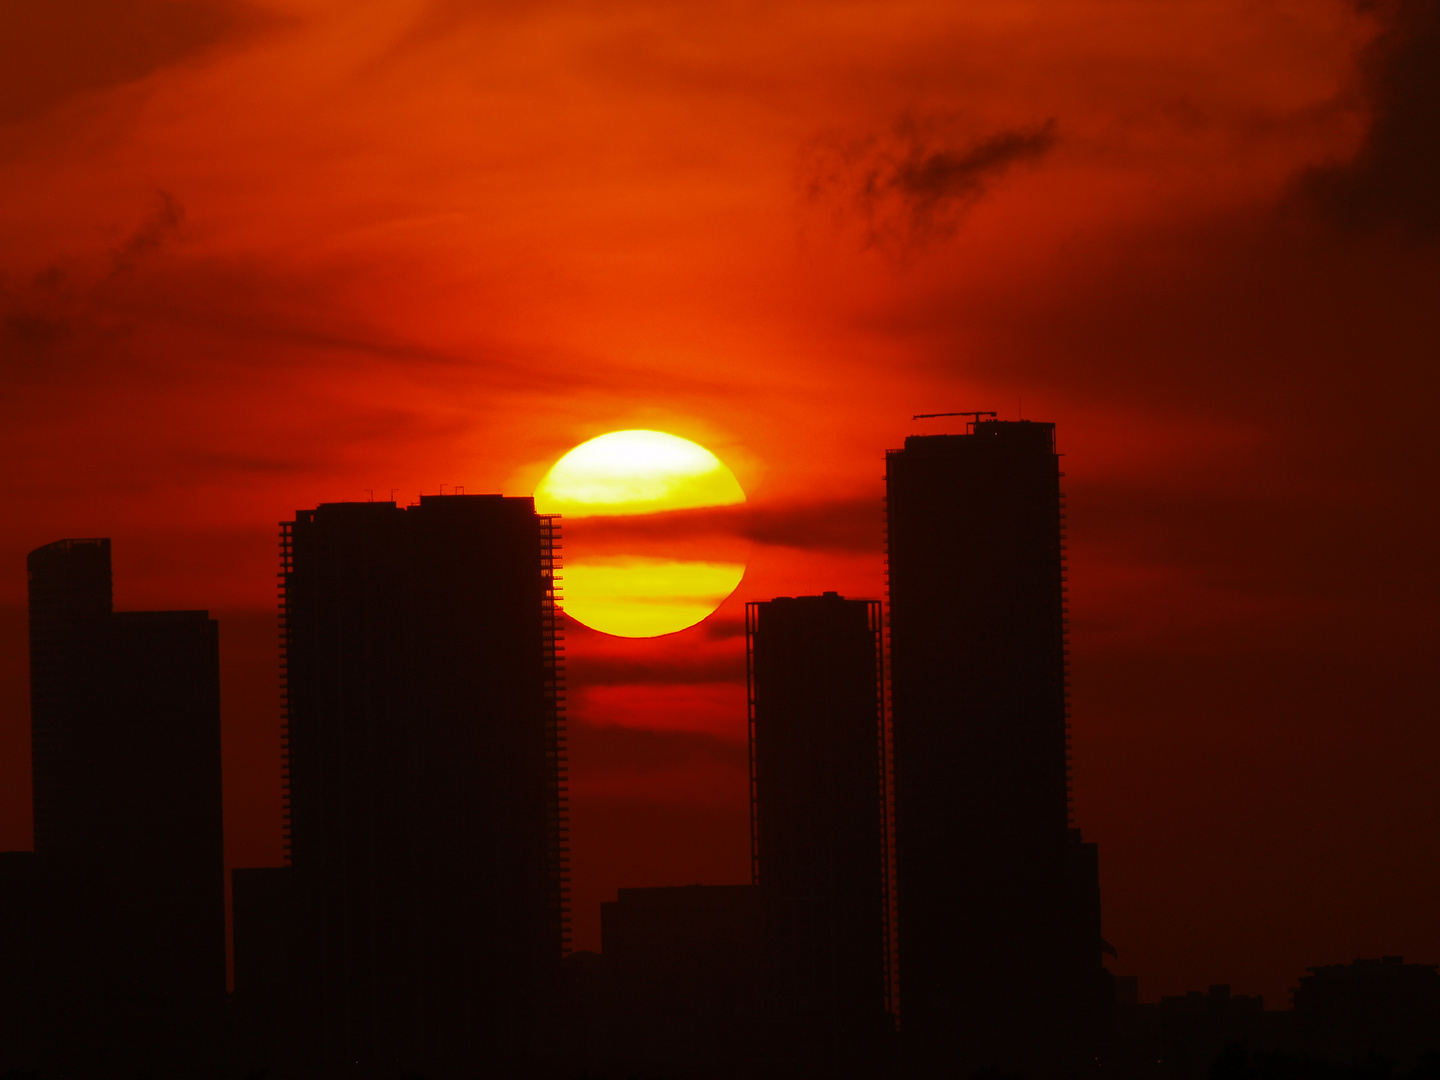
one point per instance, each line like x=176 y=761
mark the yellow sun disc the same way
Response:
x=634 y=473
x=640 y=597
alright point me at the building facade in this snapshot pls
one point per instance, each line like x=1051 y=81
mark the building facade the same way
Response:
x=425 y=758
x=818 y=809
x=682 y=973
x=998 y=899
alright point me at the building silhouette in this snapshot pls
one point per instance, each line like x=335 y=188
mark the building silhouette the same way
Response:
x=1194 y=1028
x=19 y=973
x=998 y=899
x=129 y=844
x=1347 y=1012
x=818 y=811
x=263 y=905
x=263 y=936
x=426 y=802
x=682 y=977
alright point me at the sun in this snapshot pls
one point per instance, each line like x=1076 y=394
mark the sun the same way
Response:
x=633 y=474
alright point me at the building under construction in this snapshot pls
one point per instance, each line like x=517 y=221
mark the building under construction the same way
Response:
x=818 y=819
x=998 y=899
x=426 y=803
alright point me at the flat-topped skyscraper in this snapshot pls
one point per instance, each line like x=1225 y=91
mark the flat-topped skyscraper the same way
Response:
x=426 y=777
x=998 y=918
x=818 y=814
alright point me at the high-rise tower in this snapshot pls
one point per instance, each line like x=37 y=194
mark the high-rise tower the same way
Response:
x=129 y=835
x=818 y=812
x=70 y=608
x=998 y=918
x=426 y=776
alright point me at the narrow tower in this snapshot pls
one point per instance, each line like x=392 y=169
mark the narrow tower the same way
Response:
x=998 y=914
x=818 y=813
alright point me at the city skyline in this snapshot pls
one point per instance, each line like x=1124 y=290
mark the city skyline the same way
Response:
x=913 y=753
x=618 y=874
x=260 y=255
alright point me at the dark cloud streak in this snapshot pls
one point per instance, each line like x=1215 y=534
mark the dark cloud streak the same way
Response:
x=845 y=525
x=599 y=748
x=926 y=177
x=64 y=316
x=1394 y=179
x=52 y=50
x=915 y=186
x=604 y=670
x=158 y=229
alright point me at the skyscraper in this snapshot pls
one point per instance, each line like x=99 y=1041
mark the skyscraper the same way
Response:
x=19 y=974
x=262 y=917
x=129 y=842
x=818 y=812
x=70 y=608
x=998 y=917
x=426 y=794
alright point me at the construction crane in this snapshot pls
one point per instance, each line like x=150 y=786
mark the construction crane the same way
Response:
x=975 y=413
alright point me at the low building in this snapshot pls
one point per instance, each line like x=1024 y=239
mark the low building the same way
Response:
x=1385 y=1008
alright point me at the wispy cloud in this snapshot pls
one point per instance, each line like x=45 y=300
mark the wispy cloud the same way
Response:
x=1393 y=181
x=915 y=185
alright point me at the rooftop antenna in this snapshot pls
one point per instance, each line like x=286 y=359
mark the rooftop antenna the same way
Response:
x=975 y=413
x=370 y=492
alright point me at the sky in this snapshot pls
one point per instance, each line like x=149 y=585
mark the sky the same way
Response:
x=255 y=256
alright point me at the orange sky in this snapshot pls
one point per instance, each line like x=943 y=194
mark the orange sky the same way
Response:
x=256 y=256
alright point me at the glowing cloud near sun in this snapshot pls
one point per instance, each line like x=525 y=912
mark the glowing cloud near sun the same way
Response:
x=632 y=473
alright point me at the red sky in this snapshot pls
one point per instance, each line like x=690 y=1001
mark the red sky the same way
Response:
x=257 y=256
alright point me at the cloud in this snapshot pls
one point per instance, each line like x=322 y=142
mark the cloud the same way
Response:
x=246 y=463
x=849 y=525
x=677 y=669
x=1394 y=179
x=721 y=629
x=608 y=748
x=668 y=766
x=927 y=176
x=916 y=185
x=844 y=525
x=62 y=318
x=711 y=708
x=154 y=232
x=52 y=50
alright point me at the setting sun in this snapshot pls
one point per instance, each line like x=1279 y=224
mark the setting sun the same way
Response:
x=637 y=473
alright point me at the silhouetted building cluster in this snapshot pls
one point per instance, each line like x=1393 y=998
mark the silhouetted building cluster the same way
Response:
x=1386 y=1007
x=677 y=980
x=1182 y=1035
x=118 y=922
x=1370 y=1018
x=921 y=904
